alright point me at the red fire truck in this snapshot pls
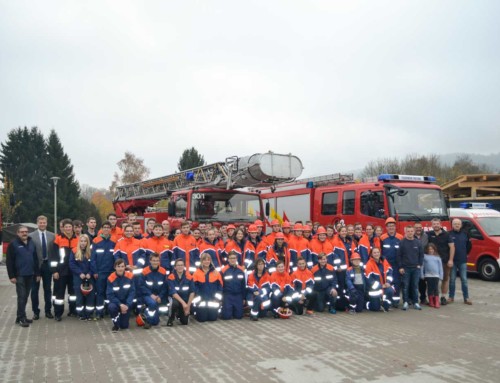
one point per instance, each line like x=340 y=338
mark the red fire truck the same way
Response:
x=332 y=198
x=209 y=193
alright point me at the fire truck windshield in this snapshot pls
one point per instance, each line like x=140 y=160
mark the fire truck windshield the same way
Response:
x=416 y=204
x=228 y=206
x=491 y=225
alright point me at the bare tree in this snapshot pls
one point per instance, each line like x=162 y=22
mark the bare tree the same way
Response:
x=131 y=169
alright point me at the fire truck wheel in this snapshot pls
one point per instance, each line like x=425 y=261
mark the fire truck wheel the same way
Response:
x=489 y=270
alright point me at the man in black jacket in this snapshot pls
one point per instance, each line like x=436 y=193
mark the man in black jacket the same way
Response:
x=22 y=267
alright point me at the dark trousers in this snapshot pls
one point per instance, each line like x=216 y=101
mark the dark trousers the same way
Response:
x=410 y=284
x=204 y=314
x=232 y=306
x=176 y=310
x=47 y=290
x=357 y=298
x=85 y=304
x=310 y=303
x=422 y=288
x=432 y=286
x=342 y=302
x=100 y=286
x=258 y=306
x=23 y=288
x=323 y=298
x=119 y=319
x=60 y=285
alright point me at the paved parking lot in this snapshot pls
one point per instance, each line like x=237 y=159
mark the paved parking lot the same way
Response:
x=457 y=343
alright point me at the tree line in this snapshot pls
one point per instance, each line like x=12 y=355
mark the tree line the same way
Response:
x=429 y=165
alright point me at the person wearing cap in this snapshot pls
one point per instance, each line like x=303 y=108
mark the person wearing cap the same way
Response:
x=230 y=232
x=380 y=282
x=254 y=248
x=278 y=252
x=390 y=242
x=236 y=245
x=307 y=232
x=276 y=228
x=298 y=246
x=258 y=290
x=325 y=285
x=356 y=284
x=320 y=245
x=286 y=227
x=367 y=242
x=260 y=227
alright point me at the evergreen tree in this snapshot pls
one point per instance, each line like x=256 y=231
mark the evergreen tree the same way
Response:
x=59 y=165
x=22 y=161
x=190 y=158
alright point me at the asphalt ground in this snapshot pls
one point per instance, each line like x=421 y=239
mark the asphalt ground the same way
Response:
x=457 y=343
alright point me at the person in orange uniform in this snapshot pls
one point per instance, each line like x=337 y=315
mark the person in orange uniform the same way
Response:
x=254 y=248
x=286 y=227
x=160 y=245
x=379 y=282
x=208 y=290
x=116 y=232
x=320 y=245
x=212 y=246
x=343 y=250
x=237 y=244
x=276 y=228
x=185 y=248
x=260 y=228
x=59 y=265
x=258 y=290
x=303 y=283
x=299 y=247
x=307 y=232
x=129 y=249
x=367 y=242
x=278 y=252
x=281 y=287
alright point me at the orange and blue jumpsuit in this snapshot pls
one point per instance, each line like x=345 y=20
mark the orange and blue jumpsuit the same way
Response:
x=378 y=274
x=208 y=291
x=259 y=303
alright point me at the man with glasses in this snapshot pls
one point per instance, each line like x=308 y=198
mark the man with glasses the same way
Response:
x=22 y=267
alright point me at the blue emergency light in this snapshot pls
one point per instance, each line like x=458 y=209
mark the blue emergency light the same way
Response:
x=190 y=176
x=476 y=205
x=310 y=184
x=405 y=177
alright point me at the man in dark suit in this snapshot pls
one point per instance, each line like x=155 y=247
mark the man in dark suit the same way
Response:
x=44 y=244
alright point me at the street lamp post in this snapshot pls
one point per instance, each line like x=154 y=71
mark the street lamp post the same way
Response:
x=54 y=180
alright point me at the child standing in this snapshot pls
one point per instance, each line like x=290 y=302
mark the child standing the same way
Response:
x=432 y=272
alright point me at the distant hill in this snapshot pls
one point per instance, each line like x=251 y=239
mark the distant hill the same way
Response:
x=492 y=160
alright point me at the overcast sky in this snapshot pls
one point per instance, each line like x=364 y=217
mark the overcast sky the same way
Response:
x=336 y=83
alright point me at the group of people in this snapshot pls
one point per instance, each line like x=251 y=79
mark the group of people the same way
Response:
x=208 y=272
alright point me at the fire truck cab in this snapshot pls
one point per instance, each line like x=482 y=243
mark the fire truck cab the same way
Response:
x=482 y=223
x=334 y=198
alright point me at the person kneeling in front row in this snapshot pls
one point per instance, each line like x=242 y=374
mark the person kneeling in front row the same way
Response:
x=120 y=293
x=180 y=292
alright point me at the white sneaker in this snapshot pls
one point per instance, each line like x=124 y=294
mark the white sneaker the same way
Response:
x=405 y=306
x=417 y=306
